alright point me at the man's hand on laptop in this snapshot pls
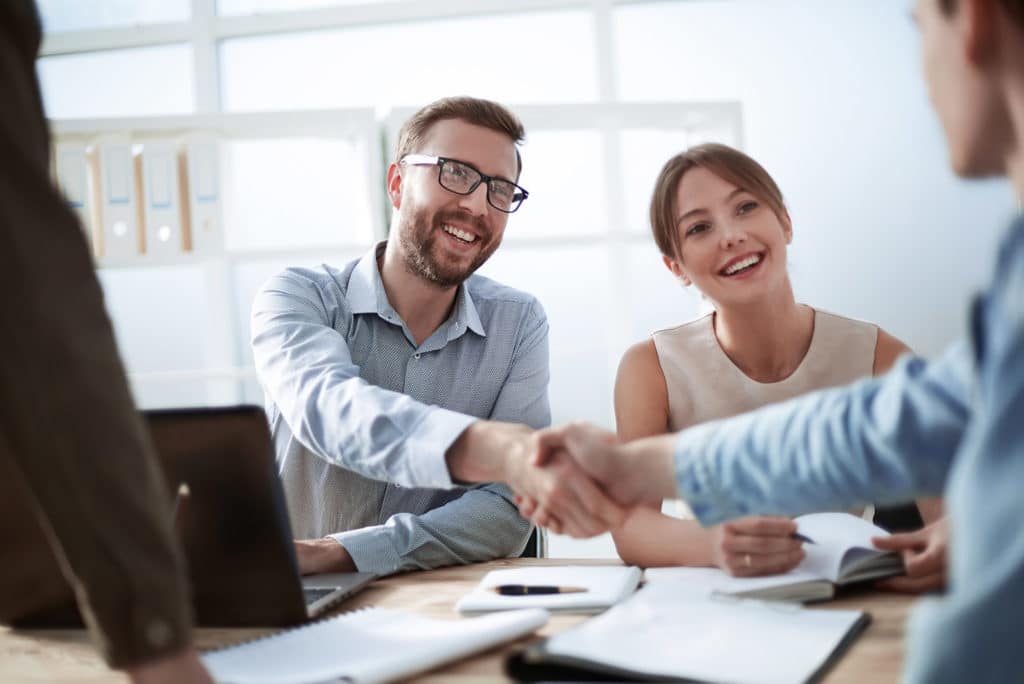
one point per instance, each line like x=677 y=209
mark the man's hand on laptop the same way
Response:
x=317 y=556
x=573 y=504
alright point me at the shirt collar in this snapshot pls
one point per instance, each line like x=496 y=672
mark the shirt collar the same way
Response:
x=466 y=315
x=366 y=295
x=366 y=289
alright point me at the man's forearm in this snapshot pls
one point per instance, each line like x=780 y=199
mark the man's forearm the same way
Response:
x=882 y=440
x=480 y=525
x=646 y=470
x=489 y=451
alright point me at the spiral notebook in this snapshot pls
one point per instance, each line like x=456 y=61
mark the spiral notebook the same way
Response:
x=366 y=646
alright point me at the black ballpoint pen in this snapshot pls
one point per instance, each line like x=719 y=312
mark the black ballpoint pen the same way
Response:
x=534 y=589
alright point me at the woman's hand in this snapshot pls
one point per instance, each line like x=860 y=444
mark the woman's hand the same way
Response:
x=762 y=545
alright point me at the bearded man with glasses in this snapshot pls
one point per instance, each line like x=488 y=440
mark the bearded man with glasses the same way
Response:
x=399 y=377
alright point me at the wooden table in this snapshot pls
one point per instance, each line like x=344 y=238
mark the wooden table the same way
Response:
x=67 y=656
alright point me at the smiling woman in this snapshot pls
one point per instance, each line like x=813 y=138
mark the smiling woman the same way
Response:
x=721 y=224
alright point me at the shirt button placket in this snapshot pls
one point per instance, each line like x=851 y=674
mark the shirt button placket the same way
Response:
x=417 y=381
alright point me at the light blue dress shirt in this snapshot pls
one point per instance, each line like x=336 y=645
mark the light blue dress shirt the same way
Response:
x=953 y=426
x=362 y=416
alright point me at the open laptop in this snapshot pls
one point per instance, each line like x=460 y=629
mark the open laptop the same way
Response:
x=233 y=525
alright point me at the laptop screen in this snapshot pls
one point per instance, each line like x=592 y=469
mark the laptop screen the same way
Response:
x=233 y=525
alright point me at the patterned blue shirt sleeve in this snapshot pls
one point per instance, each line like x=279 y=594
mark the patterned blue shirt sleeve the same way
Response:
x=973 y=633
x=306 y=368
x=480 y=525
x=483 y=523
x=879 y=440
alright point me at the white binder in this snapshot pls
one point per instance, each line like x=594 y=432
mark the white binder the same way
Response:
x=74 y=171
x=157 y=164
x=120 y=234
x=199 y=165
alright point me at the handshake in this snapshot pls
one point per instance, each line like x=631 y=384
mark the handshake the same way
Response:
x=574 y=479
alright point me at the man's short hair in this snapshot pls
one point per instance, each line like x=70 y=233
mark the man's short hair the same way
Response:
x=472 y=110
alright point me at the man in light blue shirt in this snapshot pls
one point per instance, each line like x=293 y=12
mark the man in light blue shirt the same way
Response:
x=953 y=426
x=393 y=379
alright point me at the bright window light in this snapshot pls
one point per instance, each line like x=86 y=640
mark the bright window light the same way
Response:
x=74 y=15
x=564 y=174
x=414 y=63
x=228 y=7
x=296 y=192
x=131 y=82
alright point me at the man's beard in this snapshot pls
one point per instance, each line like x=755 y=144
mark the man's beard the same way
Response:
x=417 y=238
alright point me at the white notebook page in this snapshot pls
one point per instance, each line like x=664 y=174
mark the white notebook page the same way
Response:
x=366 y=646
x=665 y=632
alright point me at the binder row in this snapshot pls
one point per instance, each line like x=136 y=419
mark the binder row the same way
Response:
x=143 y=199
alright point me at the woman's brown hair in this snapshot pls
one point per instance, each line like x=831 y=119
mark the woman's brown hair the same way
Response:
x=725 y=162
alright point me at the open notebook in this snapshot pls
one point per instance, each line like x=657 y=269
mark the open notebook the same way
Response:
x=602 y=587
x=839 y=552
x=365 y=646
x=660 y=634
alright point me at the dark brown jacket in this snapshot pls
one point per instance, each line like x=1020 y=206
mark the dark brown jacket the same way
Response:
x=78 y=479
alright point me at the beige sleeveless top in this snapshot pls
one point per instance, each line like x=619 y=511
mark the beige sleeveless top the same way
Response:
x=704 y=384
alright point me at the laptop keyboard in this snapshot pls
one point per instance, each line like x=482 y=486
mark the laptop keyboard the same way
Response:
x=313 y=595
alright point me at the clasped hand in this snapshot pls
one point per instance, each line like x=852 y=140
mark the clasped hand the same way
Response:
x=579 y=481
x=554 y=491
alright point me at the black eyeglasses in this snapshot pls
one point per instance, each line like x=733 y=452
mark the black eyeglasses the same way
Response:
x=462 y=179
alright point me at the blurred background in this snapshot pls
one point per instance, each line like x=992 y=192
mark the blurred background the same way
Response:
x=301 y=100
